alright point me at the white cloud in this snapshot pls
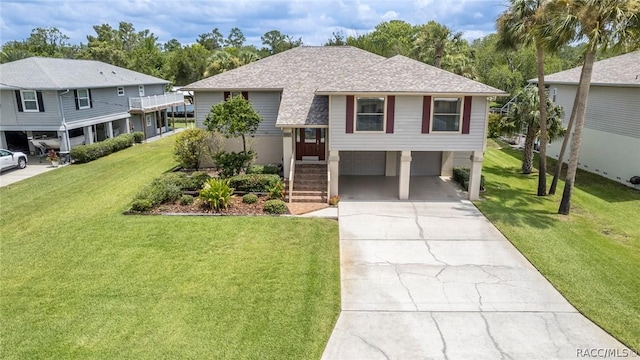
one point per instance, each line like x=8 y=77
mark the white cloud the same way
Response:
x=313 y=20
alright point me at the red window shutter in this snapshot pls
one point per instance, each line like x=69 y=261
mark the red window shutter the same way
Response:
x=226 y=95
x=466 y=114
x=426 y=114
x=349 y=119
x=391 y=113
x=245 y=95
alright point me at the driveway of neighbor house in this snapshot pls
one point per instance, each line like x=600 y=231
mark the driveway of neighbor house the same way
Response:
x=435 y=279
x=33 y=168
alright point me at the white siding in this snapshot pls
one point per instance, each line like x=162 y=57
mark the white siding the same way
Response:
x=407 y=129
x=265 y=103
x=611 y=141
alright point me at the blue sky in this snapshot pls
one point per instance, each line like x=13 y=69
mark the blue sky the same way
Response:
x=313 y=20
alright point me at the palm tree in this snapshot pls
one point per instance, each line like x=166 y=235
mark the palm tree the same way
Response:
x=525 y=113
x=523 y=23
x=433 y=40
x=603 y=24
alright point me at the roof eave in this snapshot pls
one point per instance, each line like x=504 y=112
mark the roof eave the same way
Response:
x=184 y=88
x=488 y=94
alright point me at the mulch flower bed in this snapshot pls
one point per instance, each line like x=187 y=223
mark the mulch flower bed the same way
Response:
x=236 y=207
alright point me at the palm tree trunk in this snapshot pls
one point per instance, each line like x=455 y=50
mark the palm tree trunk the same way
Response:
x=576 y=140
x=527 y=160
x=542 y=165
x=565 y=142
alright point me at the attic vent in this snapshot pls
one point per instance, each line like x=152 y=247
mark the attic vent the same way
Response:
x=113 y=72
x=101 y=72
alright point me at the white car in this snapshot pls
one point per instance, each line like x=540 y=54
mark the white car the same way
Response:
x=11 y=159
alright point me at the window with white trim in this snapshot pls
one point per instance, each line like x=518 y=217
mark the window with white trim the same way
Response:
x=84 y=102
x=141 y=90
x=120 y=90
x=29 y=100
x=447 y=115
x=370 y=114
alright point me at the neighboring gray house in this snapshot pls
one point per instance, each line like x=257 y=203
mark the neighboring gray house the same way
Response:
x=357 y=112
x=70 y=102
x=611 y=138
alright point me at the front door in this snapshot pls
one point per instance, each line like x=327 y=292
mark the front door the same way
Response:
x=310 y=143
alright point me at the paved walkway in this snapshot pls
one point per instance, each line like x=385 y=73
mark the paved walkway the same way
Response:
x=436 y=280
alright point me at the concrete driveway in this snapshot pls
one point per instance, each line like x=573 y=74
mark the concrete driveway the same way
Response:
x=436 y=280
x=33 y=168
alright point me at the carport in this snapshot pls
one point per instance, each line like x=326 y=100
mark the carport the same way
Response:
x=376 y=175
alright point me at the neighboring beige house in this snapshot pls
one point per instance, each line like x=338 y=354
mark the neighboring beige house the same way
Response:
x=611 y=139
x=359 y=113
x=70 y=102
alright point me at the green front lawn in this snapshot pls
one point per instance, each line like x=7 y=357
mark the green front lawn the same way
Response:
x=592 y=256
x=81 y=280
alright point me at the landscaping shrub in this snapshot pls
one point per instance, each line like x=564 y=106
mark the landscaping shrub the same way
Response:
x=196 y=180
x=179 y=179
x=255 y=169
x=90 y=152
x=186 y=200
x=275 y=207
x=216 y=193
x=250 y=198
x=334 y=200
x=141 y=205
x=232 y=163
x=254 y=182
x=263 y=169
x=190 y=147
x=277 y=190
x=461 y=176
x=138 y=136
x=160 y=190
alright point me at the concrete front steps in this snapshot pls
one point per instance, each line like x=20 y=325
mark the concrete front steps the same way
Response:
x=309 y=183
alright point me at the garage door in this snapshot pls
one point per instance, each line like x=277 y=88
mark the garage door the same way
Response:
x=362 y=162
x=425 y=163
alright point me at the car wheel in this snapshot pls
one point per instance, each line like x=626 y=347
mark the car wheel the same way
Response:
x=22 y=163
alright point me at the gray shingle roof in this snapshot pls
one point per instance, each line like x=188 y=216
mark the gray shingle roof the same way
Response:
x=623 y=70
x=40 y=73
x=297 y=72
x=401 y=74
x=307 y=74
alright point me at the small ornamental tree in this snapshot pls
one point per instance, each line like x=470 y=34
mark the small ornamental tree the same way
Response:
x=234 y=117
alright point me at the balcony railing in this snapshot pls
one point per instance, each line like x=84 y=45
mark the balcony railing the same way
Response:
x=155 y=102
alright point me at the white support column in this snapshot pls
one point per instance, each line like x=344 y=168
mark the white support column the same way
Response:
x=88 y=134
x=475 y=175
x=446 y=169
x=127 y=124
x=391 y=163
x=32 y=149
x=334 y=169
x=405 y=175
x=63 y=140
x=287 y=150
x=3 y=140
x=110 y=129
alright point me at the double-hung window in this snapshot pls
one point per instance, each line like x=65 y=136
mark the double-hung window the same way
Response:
x=84 y=101
x=447 y=115
x=29 y=100
x=120 y=90
x=370 y=114
x=141 y=90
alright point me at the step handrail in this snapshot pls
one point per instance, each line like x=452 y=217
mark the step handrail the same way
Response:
x=292 y=167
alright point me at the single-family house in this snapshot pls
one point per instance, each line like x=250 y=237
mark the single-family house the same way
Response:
x=66 y=102
x=611 y=139
x=356 y=114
